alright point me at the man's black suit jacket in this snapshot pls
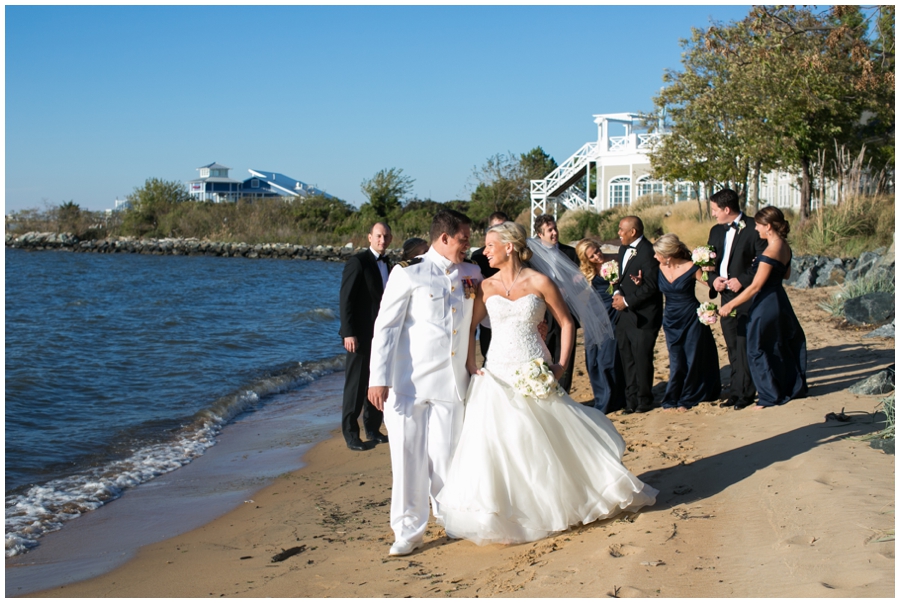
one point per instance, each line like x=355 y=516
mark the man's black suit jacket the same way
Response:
x=644 y=300
x=360 y=297
x=744 y=248
x=570 y=253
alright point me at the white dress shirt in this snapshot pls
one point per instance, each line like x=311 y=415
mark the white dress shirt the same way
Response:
x=729 y=240
x=382 y=267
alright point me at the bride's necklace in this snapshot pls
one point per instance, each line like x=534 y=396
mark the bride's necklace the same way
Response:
x=513 y=284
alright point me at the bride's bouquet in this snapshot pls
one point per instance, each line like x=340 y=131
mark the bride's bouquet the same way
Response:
x=535 y=379
x=708 y=313
x=609 y=271
x=703 y=256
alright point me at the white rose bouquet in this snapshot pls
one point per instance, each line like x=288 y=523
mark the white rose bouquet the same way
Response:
x=705 y=255
x=535 y=379
x=609 y=271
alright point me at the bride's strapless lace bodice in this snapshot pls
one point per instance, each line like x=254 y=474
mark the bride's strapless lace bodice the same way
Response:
x=514 y=336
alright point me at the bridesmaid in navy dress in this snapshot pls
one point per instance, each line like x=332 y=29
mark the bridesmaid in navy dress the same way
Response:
x=693 y=358
x=776 y=344
x=604 y=365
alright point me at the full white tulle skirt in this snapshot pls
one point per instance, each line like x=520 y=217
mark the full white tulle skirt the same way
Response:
x=526 y=468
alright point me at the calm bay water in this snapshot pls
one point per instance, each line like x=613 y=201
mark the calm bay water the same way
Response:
x=120 y=368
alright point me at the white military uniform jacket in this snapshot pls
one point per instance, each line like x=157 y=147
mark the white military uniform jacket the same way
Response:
x=422 y=331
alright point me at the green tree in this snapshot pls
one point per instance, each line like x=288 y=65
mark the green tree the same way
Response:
x=318 y=213
x=777 y=89
x=149 y=204
x=503 y=183
x=386 y=190
x=68 y=217
x=536 y=165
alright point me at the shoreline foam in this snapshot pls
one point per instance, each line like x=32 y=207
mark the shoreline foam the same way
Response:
x=249 y=453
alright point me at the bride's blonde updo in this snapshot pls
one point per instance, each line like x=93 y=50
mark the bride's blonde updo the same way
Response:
x=510 y=232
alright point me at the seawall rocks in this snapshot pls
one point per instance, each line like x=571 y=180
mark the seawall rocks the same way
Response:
x=37 y=241
x=819 y=271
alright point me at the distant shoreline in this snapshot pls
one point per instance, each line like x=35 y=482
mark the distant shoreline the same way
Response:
x=48 y=241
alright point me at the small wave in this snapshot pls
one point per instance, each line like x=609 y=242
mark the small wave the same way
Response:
x=316 y=314
x=46 y=507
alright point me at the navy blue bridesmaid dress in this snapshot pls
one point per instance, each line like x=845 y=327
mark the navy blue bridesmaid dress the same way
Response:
x=693 y=359
x=776 y=343
x=603 y=363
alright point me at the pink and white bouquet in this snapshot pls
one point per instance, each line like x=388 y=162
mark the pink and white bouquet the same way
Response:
x=534 y=379
x=708 y=313
x=609 y=272
x=705 y=255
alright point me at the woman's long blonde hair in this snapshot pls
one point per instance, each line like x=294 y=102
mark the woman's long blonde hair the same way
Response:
x=582 y=249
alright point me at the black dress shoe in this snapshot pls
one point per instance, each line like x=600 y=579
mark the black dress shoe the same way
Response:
x=377 y=437
x=627 y=411
x=728 y=402
x=643 y=409
x=356 y=444
x=743 y=404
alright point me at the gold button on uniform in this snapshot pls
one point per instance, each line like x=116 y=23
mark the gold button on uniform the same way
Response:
x=447 y=271
x=453 y=288
x=453 y=310
x=454 y=331
x=453 y=353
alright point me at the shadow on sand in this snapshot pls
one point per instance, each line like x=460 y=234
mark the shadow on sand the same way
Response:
x=826 y=368
x=711 y=475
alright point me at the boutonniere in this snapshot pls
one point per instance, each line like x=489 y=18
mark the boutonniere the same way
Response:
x=469 y=288
x=741 y=226
x=631 y=253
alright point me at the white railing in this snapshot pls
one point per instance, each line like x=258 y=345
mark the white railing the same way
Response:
x=546 y=187
x=574 y=198
x=648 y=141
x=619 y=143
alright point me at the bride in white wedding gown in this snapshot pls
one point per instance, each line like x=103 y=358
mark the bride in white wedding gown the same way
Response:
x=527 y=467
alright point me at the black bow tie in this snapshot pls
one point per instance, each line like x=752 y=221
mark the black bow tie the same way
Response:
x=734 y=225
x=382 y=258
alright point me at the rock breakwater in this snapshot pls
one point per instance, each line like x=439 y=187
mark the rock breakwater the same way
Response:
x=37 y=241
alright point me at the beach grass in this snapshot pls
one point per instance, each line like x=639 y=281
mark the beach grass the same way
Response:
x=871 y=283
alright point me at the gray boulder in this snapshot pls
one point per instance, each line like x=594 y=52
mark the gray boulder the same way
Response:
x=867 y=260
x=830 y=273
x=869 y=309
x=886 y=331
x=806 y=279
x=878 y=384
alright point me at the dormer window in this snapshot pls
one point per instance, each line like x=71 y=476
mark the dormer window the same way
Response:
x=254 y=183
x=204 y=172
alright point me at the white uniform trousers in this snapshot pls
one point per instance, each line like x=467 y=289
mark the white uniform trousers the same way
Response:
x=423 y=436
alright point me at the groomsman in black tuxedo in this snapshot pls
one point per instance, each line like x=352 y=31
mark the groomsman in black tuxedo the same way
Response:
x=639 y=303
x=548 y=233
x=737 y=243
x=484 y=333
x=363 y=281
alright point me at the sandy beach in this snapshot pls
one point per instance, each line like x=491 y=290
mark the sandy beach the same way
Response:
x=753 y=503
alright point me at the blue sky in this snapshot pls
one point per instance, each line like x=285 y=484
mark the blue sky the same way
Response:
x=100 y=98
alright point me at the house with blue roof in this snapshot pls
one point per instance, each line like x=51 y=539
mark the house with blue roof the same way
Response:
x=214 y=184
x=262 y=184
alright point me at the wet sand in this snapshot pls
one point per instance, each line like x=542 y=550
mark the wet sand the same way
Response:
x=775 y=503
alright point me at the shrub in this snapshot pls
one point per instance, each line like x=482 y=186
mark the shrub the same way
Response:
x=847 y=229
x=880 y=282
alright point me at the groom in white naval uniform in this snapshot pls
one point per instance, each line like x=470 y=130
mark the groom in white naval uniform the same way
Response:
x=417 y=372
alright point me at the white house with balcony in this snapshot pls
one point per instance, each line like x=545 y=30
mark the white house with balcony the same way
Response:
x=619 y=163
x=214 y=184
